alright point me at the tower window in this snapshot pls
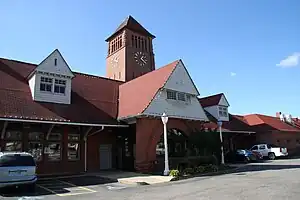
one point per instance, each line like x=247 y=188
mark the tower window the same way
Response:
x=119 y=75
x=132 y=41
x=139 y=44
x=55 y=61
x=135 y=40
x=142 y=42
x=146 y=45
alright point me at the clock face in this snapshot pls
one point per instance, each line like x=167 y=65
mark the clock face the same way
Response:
x=140 y=58
x=115 y=61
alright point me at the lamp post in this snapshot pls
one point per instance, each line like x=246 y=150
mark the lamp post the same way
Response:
x=221 y=140
x=164 y=119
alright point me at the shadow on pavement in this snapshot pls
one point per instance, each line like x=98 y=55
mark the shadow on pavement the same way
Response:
x=55 y=186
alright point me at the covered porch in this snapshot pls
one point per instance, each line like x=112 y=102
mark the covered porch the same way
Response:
x=61 y=147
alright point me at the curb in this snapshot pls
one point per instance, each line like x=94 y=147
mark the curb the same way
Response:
x=228 y=171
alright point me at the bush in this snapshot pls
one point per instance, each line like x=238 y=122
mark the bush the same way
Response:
x=211 y=168
x=200 y=169
x=174 y=173
x=188 y=171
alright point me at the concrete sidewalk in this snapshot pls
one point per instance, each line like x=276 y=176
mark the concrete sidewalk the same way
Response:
x=133 y=178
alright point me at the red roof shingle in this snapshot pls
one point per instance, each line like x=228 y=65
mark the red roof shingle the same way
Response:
x=210 y=100
x=94 y=99
x=136 y=95
x=264 y=122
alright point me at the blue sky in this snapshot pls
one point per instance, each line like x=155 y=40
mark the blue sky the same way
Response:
x=246 y=49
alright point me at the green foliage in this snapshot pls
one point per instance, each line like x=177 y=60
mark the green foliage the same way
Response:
x=199 y=169
x=188 y=170
x=175 y=173
x=211 y=168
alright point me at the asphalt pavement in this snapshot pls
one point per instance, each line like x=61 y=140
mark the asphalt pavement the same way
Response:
x=276 y=180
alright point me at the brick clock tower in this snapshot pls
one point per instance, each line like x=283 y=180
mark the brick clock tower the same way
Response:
x=130 y=51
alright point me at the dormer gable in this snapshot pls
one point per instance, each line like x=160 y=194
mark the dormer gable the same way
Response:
x=217 y=105
x=51 y=80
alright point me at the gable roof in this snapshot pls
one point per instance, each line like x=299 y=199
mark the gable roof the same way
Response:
x=134 y=97
x=94 y=99
x=131 y=24
x=235 y=124
x=265 y=123
x=211 y=100
x=56 y=51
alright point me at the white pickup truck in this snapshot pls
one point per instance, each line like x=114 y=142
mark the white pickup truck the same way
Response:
x=270 y=151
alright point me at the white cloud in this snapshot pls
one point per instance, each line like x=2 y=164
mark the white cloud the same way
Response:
x=232 y=74
x=290 y=61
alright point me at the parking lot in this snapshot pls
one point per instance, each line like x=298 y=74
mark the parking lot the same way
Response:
x=64 y=187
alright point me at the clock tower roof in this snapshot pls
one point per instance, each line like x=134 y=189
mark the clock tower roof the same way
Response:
x=133 y=25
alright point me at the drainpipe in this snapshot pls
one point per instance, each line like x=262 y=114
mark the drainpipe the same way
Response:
x=86 y=135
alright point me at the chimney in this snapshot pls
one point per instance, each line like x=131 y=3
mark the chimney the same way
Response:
x=278 y=114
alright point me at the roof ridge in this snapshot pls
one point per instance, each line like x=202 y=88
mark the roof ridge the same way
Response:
x=212 y=95
x=19 y=61
x=149 y=73
x=75 y=72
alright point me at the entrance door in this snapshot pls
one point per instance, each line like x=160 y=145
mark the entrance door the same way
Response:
x=105 y=156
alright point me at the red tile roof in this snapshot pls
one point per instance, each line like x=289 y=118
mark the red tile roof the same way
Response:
x=136 y=95
x=264 y=123
x=211 y=100
x=235 y=124
x=94 y=99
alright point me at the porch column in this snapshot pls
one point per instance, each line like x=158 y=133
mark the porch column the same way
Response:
x=146 y=140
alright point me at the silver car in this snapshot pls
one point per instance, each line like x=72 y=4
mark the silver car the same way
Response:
x=16 y=169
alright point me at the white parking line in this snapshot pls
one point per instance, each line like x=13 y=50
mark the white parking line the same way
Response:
x=58 y=185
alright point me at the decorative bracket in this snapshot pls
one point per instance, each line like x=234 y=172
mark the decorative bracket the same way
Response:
x=49 y=131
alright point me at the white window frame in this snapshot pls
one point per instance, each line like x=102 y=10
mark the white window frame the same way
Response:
x=223 y=111
x=181 y=96
x=46 y=81
x=60 y=83
x=171 y=95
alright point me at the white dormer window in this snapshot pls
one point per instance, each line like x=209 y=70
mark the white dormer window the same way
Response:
x=181 y=96
x=171 y=95
x=46 y=84
x=60 y=86
x=223 y=111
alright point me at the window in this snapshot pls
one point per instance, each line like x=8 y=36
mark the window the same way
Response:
x=54 y=153
x=55 y=61
x=13 y=141
x=171 y=95
x=181 y=96
x=254 y=148
x=262 y=147
x=46 y=84
x=60 y=86
x=16 y=160
x=223 y=111
x=73 y=147
x=35 y=145
x=54 y=147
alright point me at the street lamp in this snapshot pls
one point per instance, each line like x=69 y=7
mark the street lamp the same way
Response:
x=221 y=140
x=164 y=119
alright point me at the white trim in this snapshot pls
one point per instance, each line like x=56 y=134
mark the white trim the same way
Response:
x=228 y=131
x=59 y=122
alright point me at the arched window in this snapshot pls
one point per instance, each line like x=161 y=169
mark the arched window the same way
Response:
x=177 y=144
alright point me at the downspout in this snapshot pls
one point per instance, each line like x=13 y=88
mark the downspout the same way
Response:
x=86 y=135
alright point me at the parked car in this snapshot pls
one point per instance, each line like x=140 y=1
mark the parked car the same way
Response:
x=258 y=155
x=269 y=150
x=241 y=155
x=16 y=169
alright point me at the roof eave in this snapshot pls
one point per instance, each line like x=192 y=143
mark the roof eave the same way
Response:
x=60 y=122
